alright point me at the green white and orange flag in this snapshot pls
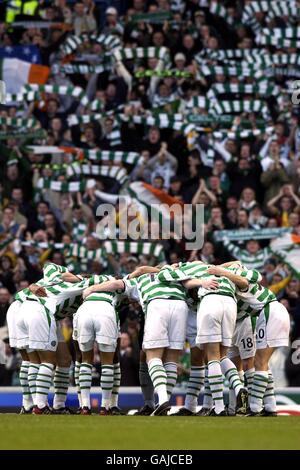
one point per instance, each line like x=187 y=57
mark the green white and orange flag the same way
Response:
x=287 y=248
x=16 y=73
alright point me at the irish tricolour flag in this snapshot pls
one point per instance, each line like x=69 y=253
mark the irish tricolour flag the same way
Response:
x=287 y=247
x=16 y=73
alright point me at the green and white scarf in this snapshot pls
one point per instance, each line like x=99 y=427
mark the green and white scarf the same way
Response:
x=140 y=247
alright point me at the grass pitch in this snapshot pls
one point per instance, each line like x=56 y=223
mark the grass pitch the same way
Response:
x=154 y=433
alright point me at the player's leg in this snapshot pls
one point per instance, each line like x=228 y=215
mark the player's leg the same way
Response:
x=197 y=369
x=196 y=380
x=241 y=330
x=273 y=326
x=156 y=339
x=114 y=403
x=207 y=404
x=260 y=379
x=42 y=334
x=146 y=386
x=18 y=338
x=83 y=332
x=145 y=379
x=177 y=335
x=233 y=354
x=44 y=381
x=77 y=364
x=61 y=376
x=27 y=401
x=269 y=400
x=209 y=334
x=106 y=334
x=85 y=377
x=33 y=369
x=107 y=378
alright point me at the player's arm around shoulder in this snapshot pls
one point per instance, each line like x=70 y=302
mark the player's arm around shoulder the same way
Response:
x=241 y=282
x=114 y=285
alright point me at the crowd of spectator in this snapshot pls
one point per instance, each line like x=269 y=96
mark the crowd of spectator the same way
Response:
x=242 y=163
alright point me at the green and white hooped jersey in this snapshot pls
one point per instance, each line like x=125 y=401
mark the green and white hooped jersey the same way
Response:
x=110 y=297
x=196 y=270
x=254 y=299
x=63 y=298
x=149 y=287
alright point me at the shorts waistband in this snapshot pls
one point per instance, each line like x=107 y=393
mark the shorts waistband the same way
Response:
x=219 y=293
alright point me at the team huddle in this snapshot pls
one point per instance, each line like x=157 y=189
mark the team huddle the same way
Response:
x=232 y=323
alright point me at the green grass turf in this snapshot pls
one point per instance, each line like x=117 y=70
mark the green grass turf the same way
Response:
x=130 y=432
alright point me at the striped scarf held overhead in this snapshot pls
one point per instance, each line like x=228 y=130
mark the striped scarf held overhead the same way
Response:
x=135 y=247
x=246 y=106
x=33 y=92
x=136 y=53
x=279 y=9
x=264 y=88
x=79 y=230
x=76 y=169
x=72 y=43
x=29 y=123
x=219 y=10
x=118 y=157
x=82 y=256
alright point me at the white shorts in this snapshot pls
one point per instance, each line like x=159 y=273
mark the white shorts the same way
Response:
x=216 y=319
x=243 y=339
x=273 y=326
x=37 y=327
x=12 y=317
x=191 y=328
x=165 y=324
x=96 y=320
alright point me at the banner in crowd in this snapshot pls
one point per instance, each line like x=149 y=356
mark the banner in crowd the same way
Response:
x=251 y=234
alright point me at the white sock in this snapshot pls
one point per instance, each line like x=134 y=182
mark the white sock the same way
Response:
x=259 y=386
x=85 y=382
x=269 y=396
x=171 y=370
x=158 y=376
x=76 y=380
x=195 y=383
x=23 y=377
x=231 y=374
x=207 y=398
x=43 y=383
x=107 y=383
x=232 y=401
x=215 y=379
x=32 y=375
x=249 y=374
x=115 y=391
x=61 y=384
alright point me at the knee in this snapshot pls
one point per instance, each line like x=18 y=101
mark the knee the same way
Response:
x=248 y=363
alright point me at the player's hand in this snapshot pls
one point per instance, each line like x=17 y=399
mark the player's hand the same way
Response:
x=87 y=292
x=210 y=284
x=39 y=291
x=216 y=270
